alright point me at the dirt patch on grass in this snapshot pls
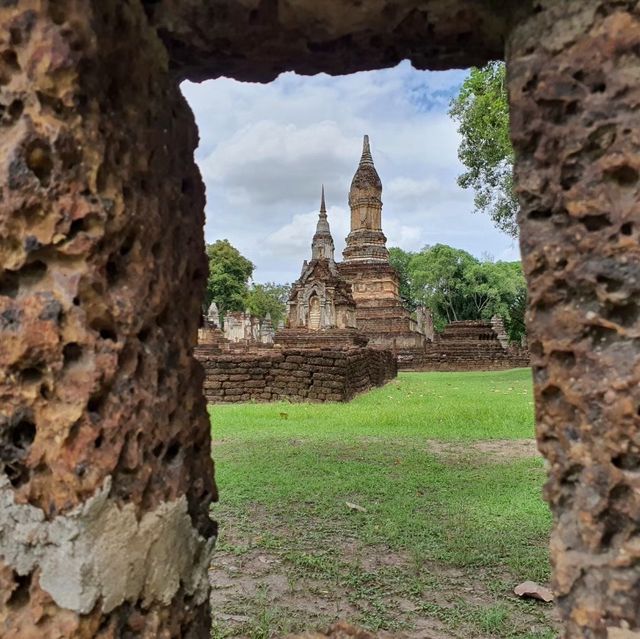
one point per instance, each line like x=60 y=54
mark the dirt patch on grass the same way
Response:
x=270 y=586
x=496 y=449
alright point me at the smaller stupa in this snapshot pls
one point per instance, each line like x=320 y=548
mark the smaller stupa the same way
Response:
x=321 y=308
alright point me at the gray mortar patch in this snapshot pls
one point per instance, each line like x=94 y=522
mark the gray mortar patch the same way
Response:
x=102 y=551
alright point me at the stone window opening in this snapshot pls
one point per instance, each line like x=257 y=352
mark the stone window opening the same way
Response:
x=100 y=191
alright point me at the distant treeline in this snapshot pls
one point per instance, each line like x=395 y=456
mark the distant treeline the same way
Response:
x=457 y=286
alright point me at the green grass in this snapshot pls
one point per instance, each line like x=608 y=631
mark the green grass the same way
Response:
x=285 y=473
x=446 y=406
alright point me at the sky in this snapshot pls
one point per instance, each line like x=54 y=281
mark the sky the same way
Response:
x=266 y=149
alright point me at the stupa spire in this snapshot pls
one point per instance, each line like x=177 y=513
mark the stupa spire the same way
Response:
x=323 y=224
x=366 y=241
x=366 y=158
x=322 y=245
x=366 y=181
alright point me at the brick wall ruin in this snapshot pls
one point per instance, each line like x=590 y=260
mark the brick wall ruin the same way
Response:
x=318 y=375
x=102 y=271
x=466 y=345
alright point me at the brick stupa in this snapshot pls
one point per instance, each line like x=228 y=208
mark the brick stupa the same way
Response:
x=380 y=314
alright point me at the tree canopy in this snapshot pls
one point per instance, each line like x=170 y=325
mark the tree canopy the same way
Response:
x=481 y=110
x=229 y=274
x=400 y=260
x=228 y=285
x=455 y=285
x=268 y=298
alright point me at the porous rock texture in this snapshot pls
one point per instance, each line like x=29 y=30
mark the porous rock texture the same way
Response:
x=573 y=82
x=103 y=268
x=258 y=39
x=103 y=427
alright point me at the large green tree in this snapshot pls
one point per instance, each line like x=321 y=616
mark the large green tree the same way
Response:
x=439 y=276
x=229 y=274
x=481 y=110
x=268 y=298
x=457 y=286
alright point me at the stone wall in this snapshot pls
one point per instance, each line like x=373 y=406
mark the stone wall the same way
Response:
x=468 y=345
x=102 y=271
x=469 y=357
x=298 y=375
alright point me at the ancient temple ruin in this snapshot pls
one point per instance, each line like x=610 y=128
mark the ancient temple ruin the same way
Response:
x=363 y=292
x=240 y=328
x=321 y=307
x=467 y=345
x=103 y=270
x=380 y=314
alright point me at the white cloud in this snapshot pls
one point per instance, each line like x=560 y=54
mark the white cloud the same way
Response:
x=266 y=149
x=407 y=237
x=268 y=162
x=294 y=238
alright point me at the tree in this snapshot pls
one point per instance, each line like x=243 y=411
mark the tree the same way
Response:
x=457 y=286
x=512 y=303
x=268 y=298
x=229 y=273
x=438 y=275
x=481 y=110
x=400 y=260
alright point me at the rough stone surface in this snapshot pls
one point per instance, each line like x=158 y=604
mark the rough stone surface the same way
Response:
x=101 y=552
x=101 y=268
x=299 y=375
x=258 y=39
x=573 y=72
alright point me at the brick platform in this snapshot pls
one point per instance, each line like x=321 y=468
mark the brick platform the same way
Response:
x=464 y=346
x=297 y=375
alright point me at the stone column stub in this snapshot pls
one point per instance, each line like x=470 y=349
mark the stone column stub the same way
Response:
x=572 y=71
x=101 y=278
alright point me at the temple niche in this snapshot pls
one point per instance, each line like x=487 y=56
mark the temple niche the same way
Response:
x=321 y=307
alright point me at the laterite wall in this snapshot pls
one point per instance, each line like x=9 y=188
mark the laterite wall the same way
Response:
x=105 y=465
x=295 y=375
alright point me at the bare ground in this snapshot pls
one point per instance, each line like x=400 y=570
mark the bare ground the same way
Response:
x=496 y=449
x=263 y=594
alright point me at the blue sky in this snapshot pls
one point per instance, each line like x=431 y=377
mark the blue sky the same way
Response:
x=265 y=150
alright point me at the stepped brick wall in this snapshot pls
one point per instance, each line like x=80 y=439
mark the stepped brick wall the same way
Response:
x=380 y=314
x=465 y=346
x=319 y=375
x=333 y=338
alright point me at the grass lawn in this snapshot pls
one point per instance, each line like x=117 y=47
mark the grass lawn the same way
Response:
x=415 y=509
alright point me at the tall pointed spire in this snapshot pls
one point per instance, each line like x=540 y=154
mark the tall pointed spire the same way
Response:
x=366 y=178
x=366 y=158
x=366 y=241
x=322 y=244
x=323 y=223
